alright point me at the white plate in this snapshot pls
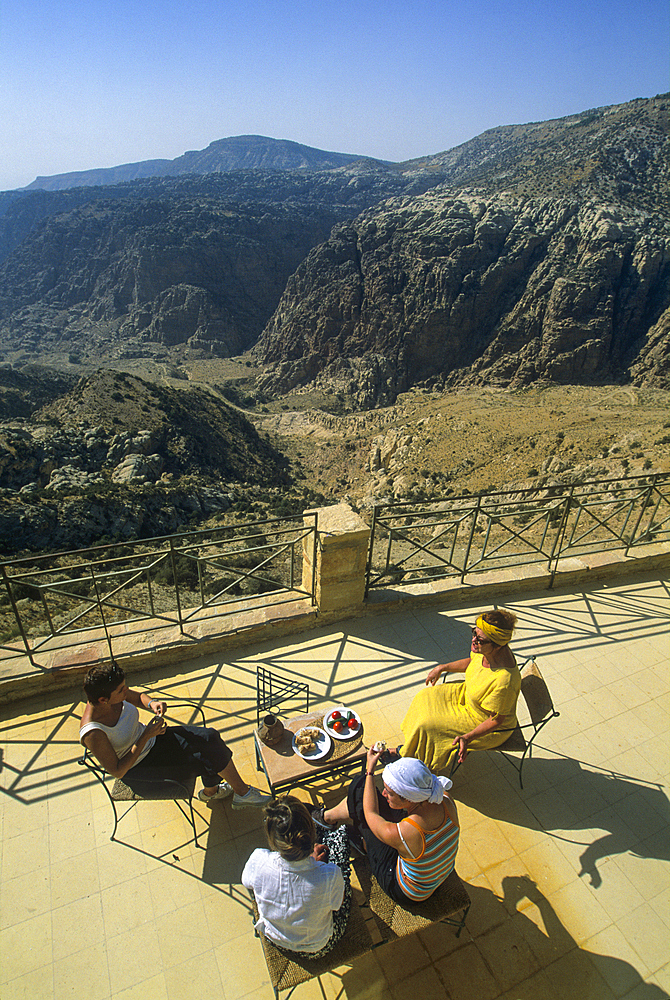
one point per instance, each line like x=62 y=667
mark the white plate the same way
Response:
x=323 y=744
x=350 y=733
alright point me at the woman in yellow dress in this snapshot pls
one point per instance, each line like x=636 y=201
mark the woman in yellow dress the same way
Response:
x=476 y=715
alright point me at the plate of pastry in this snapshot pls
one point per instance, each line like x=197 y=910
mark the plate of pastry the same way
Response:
x=311 y=743
x=342 y=723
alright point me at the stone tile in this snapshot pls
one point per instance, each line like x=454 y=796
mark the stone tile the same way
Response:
x=127 y=957
x=508 y=955
x=25 y=897
x=240 y=962
x=24 y=853
x=25 y=947
x=536 y=987
x=616 y=961
x=364 y=980
x=66 y=886
x=662 y=979
x=156 y=988
x=579 y=977
x=425 y=983
x=400 y=958
x=486 y=911
x=70 y=837
x=640 y=928
x=465 y=975
x=544 y=934
x=547 y=867
x=371 y=661
x=127 y=905
x=76 y=925
x=579 y=909
x=552 y=810
x=440 y=940
x=651 y=681
x=82 y=966
x=581 y=679
x=184 y=931
x=487 y=845
x=38 y=983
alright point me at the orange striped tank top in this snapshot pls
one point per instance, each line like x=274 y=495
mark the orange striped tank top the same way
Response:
x=419 y=877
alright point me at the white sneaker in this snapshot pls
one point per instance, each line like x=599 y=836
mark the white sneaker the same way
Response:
x=222 y=792
x=254 y=797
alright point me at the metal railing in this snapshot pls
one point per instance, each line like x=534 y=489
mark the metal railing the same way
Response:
x=175 y=580
x=429 y=540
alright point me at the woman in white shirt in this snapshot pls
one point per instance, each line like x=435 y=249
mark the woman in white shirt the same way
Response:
x=303 y=898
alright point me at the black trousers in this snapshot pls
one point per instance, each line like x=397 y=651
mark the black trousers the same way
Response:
x=187 y=747
x=383 y=859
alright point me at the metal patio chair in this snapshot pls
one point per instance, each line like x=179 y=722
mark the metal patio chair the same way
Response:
x=540 y=708
x=273 y=693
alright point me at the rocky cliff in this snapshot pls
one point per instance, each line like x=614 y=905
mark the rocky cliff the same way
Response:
x=553 y=263
x=94 y=274
x=532 y=252
x=464 y=289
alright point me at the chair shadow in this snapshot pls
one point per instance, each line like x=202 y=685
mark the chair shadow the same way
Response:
x=608 y=787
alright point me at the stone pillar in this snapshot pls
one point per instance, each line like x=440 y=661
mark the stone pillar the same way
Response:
x=341 y=558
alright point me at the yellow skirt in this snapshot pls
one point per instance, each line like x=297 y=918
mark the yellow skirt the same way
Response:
x=436 y=716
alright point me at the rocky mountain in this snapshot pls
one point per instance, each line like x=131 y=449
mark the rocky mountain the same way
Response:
x=532 y=252
x=95 y=274
x=545 y=254
x=240 y=152
x=117 y=457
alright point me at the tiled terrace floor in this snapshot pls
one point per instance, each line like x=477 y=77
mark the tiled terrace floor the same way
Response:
x=569 y=878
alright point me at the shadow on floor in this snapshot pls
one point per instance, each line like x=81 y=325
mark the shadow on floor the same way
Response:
x=635 y=812
x=507 y=953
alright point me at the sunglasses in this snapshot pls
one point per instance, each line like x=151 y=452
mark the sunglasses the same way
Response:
x=481 y=641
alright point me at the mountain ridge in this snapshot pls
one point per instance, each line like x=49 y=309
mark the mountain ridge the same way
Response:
x=240 y=152
x=531 y=252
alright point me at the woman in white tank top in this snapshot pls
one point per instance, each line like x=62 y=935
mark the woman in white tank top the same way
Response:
x=112 y=731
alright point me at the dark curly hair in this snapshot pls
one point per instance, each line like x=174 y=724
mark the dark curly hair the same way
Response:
x=101 y=681
x=289 y=828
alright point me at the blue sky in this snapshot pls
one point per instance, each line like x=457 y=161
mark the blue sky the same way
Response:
x=103 y=82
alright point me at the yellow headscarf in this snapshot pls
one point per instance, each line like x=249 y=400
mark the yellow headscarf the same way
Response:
x=501 y=636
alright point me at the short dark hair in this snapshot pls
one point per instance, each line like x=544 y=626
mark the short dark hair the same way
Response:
x=101 y=681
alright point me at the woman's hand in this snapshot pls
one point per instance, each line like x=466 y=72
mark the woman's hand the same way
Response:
x=462 y=743
x=320 y=852
x=372 y=759
x=434 y=674
x=155 y=727
x=158 y=707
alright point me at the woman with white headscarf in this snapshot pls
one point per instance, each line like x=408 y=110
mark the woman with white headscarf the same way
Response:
x=410 y=830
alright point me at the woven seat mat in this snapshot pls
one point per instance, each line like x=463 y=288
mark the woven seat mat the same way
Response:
x=156 y=785
x=286 y=971
x=516 y=741
x=399 y=920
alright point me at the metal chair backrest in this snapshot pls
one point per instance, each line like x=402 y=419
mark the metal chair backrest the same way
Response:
x=274 y=690
x=536 y=693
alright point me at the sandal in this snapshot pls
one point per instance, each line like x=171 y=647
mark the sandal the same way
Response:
x=318 y=817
